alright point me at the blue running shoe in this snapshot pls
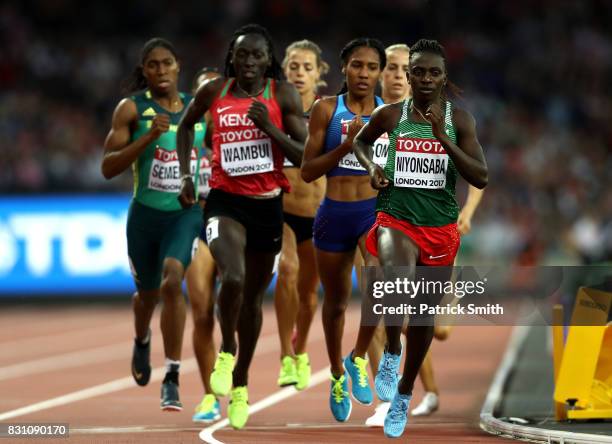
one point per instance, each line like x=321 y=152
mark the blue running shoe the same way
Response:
x=357 y=370
x=208 y=410
x=387 y=378
x=397 y=416
x=339 y=400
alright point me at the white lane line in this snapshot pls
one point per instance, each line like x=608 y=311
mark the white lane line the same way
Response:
x=73 y=359
x=102 y=389
x=66 y=360
x=266 y=344
x=10 y=348
x=319 y=377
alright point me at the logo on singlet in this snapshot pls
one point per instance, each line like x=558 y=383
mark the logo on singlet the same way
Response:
x=420 y=163
x=224 y=108
x=149 y=112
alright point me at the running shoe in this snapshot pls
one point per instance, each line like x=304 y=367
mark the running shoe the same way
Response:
x=169 y=393
x=238 y=408
x=397 y=416
x=208 y=410
x=358 y=371
x=287 y=375
x=427 y=406
x=378 y=418
x=339 y=400
x=387 y=378
x=141 y=361
x=221 y=377
x=302 y=368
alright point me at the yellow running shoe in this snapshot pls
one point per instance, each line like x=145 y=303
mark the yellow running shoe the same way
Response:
x=287 y=375
x=302 y=367
x=221 y=377
x=238 y=408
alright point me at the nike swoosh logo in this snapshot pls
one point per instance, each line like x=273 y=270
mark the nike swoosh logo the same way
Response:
x=136 y=374
x=437 y=257
x=406 y=133
x=225 y=108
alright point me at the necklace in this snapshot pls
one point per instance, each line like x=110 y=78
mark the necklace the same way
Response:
x=246 y=93
x=418 y=111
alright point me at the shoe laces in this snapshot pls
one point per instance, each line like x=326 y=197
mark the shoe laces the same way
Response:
x=207 y=404
x=387 y=372
x=302 y=360
x=225 y=362
x=287 y=364
x=337 y=390
x=240 y=395
x=362 y=371
x=397 y=412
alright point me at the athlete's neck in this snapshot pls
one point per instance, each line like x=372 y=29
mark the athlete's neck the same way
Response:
x=250 y=88
x=170 y=100
x=308 y=100
x=423 y=104
x=361 y=105
x=393 y=99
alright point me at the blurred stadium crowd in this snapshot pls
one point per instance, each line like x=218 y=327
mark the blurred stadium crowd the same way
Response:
x=536 y=74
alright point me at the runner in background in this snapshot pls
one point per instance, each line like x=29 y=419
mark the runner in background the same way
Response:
x=160 y=234
x=295 y=297
x=256 y=122
x=346 y=213
x=200 y=279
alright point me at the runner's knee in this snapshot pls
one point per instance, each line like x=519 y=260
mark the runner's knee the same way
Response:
x=288 y=268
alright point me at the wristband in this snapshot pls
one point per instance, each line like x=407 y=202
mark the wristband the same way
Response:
x=185 y=176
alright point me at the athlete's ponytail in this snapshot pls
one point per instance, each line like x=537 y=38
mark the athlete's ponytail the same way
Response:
x=136 y=80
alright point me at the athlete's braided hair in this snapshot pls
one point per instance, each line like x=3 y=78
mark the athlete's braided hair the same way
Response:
x=434 y=47
x=274 y=71
x=351 y=46
x=136 y=81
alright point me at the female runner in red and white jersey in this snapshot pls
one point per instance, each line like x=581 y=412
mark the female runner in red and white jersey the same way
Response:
x=256 y=122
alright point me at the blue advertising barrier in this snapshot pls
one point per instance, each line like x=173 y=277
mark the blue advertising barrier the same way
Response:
x=65 y=245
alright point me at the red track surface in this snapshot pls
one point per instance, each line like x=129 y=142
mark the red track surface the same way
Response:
x=52 y=352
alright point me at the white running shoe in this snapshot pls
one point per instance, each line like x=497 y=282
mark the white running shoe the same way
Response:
x=378 y=418
x=428 y=405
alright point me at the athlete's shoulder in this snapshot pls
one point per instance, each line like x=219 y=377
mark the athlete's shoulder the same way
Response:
x=388 y=111
x=211 y=88
x=462 y=118
x=126 y=109
x=326 y=102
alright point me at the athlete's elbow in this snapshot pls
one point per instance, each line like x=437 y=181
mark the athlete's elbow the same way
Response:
x=306 y=173
x=107 y=171
x=482 y=180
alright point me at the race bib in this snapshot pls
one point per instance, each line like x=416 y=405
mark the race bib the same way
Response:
x=381 y=150
x=420 y=163
x=203 y=178
x=247 y=157
x=165 y=174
